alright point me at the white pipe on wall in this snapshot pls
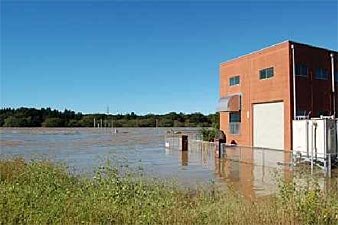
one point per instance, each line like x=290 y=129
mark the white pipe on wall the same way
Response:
x=294 y=81
x=307 y=138
x=333 y=85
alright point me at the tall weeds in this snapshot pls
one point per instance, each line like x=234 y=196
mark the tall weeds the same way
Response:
x=40 y=192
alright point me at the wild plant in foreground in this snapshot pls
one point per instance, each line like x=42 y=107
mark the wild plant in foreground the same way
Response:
x=40 y=192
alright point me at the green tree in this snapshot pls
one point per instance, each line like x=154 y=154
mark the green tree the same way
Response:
x=178 y=123
x=149 y=122
x=73 y=123
x=166 y=122
x=209 y=134
x=48 y=117
x=53 y=122
x=86 y=121
x=13 y=121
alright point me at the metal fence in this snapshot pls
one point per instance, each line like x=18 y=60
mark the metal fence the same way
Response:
x=264 y=157
x=256 y=156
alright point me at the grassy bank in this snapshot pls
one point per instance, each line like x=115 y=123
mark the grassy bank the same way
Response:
x=45 y=193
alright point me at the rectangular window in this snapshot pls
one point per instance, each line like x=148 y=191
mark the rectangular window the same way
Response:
x=234 y=122
x=302 y=70
x=235 y=117
x=321 y=74
x=234 y=80
x=266 y=73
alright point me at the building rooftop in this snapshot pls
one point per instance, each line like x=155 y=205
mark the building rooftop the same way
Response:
x=279 y=43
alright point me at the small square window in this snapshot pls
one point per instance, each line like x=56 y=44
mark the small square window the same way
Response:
x=266 y=73
x=235 y=117
x=302 y=70
x=234 y=80
x=321 y=74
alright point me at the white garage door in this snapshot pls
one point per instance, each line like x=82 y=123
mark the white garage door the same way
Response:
x=268 y=125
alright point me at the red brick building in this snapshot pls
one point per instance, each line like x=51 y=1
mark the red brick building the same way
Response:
x=256 y=92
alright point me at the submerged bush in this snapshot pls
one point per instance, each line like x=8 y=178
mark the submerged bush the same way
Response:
x=40 y=192
x=209 y=134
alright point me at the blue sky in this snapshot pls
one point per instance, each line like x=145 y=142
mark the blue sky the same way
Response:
x=142 y=57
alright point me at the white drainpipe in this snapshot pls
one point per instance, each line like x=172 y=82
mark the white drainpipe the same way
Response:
x=294 y=81
x=333 y=85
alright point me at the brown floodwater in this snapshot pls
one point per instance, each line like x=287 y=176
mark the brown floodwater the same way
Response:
x=253 y=172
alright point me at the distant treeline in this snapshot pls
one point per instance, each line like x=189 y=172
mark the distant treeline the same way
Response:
x=46 y=117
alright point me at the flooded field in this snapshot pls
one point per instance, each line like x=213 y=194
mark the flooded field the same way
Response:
x=84 y=149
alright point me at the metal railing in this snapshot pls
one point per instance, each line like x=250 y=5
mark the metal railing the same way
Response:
x=325 y=161
x=270 y=158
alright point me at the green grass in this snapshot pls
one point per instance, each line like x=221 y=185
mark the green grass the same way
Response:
x=40 y=192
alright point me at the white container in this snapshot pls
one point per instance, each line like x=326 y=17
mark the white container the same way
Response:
x=300 y=137
x=316 y=137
